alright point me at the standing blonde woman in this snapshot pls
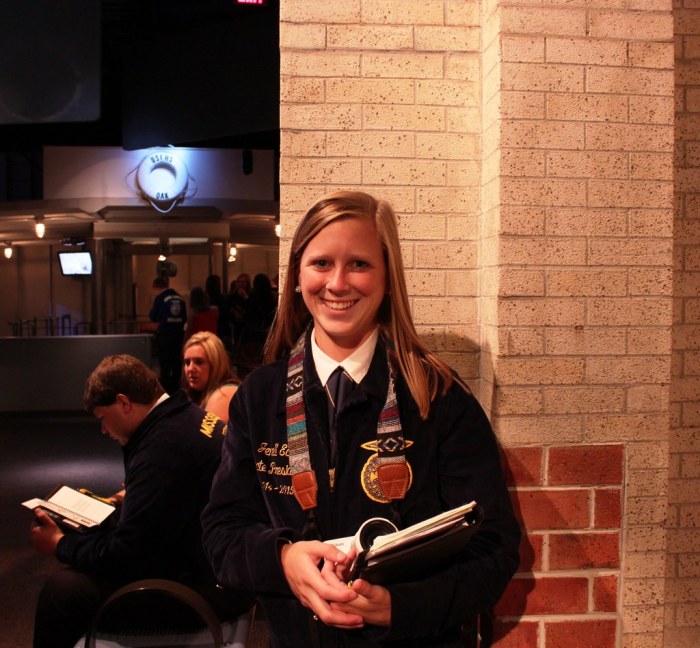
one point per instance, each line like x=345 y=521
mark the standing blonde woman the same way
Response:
x=209 y=379
x=407 y=441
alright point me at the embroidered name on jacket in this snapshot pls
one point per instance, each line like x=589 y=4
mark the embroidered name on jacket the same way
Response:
x=273 y=461
x=208 y=424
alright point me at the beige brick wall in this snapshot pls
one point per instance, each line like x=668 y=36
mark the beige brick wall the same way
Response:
x=528 y=148
x=384 y=95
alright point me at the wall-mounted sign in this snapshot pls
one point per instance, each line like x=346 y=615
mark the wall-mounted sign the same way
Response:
x=163 y=180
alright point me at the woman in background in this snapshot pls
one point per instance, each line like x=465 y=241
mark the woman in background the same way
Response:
x=209 y=379
x=202 y=316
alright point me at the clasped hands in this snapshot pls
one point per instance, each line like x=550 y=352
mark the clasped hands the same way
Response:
x=324 y=591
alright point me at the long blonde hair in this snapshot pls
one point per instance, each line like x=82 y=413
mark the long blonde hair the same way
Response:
x=422 y=369
x=220 y=372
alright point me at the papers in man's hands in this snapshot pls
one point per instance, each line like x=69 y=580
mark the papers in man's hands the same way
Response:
x=71 y=509
x=387 y=555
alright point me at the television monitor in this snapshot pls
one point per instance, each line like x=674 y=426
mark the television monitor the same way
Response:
x=75 y=263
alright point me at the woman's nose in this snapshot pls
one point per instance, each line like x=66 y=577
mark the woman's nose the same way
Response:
x=337 y=282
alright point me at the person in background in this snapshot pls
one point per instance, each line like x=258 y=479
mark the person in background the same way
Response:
x=208 y=377
x=203 y=316
x=212 y=287
x=171 y=450
x=237 y=297
x=407 y=441
x=169 y=312
x=258 y=314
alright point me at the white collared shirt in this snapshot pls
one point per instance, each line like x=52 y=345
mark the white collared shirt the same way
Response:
x=356 y=365
x=162 y=399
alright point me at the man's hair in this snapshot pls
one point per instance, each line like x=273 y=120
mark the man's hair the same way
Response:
x=121 y=374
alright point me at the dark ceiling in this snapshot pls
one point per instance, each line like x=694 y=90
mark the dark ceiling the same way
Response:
x=138 y=73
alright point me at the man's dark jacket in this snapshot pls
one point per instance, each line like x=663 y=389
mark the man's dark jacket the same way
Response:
x=170 y=311
x=169 y=463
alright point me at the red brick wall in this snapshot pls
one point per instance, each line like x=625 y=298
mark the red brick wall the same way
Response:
x=568 y=499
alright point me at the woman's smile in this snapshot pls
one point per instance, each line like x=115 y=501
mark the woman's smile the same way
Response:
x=339 y=306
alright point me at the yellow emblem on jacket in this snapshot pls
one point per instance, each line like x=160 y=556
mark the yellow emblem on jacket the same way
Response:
x=368 y=476
x=209 y=424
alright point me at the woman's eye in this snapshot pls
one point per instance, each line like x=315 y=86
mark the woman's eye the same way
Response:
x=359 y=264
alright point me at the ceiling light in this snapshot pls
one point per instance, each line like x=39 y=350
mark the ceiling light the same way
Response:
x=232 y=252
x=39 y=227
x=162 y=257
x=8 y=250
x=278 y=230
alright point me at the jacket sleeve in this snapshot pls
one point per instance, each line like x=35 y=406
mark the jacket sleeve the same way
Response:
x=159 y=503
x=469 y=468
x=238 y=534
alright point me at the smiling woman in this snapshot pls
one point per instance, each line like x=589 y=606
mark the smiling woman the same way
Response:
x=353 y=418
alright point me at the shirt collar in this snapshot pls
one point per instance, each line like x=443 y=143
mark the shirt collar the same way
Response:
x=162 y=399
x=356 y=364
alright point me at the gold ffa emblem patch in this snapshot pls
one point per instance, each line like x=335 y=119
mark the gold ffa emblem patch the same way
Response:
x=369 y=478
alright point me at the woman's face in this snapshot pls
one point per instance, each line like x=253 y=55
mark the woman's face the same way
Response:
x=197 y=367
x=342 y=275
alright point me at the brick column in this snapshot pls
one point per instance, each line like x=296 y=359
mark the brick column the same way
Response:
x=683 y=586
x=579 y=326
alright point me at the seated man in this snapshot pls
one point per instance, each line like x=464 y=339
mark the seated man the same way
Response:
x=171 y=450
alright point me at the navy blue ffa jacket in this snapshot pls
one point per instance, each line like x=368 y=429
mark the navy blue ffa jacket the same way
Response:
x=170 y=311
x=169 y=464
x=453 y=457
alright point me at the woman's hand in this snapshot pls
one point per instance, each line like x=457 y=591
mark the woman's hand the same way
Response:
x=317 y=591
x=44 y=534
x=373 y=603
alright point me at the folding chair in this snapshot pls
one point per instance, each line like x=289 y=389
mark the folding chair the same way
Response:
x=159 y=613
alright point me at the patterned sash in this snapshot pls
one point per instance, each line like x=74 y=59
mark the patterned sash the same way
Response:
x=392 y=472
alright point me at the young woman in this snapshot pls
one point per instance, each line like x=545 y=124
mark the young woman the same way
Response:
x=408 y=442
x=209 y=380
